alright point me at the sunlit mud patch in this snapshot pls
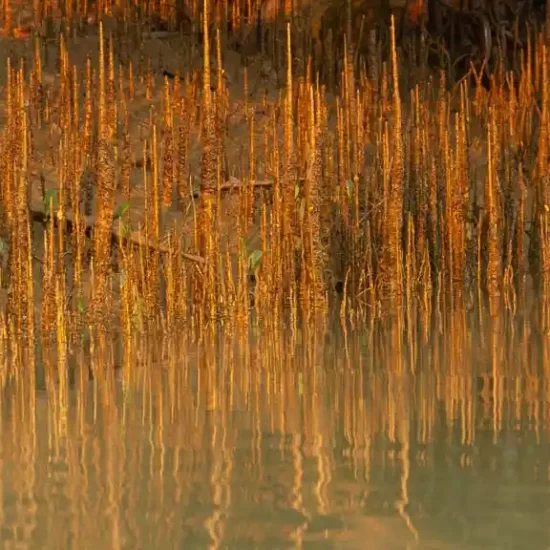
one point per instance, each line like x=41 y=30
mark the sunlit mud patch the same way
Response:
x=389 y=532
x=377 y=533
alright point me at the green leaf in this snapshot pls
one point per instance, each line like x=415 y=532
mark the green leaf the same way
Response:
x=3 y=248
x=121 y=210
x=80 y=306
x=349 y=188
x=49 y=201
x=296 y=191
x=254 y=260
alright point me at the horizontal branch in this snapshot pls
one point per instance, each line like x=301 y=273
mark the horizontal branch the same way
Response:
x=235 y=183
x=117 y=235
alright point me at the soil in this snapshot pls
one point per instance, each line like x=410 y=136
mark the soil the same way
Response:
x=170 y=54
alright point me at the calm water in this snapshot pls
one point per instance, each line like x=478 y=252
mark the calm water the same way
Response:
x=258 y=450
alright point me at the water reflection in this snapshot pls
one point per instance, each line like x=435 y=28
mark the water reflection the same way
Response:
x=333 y=444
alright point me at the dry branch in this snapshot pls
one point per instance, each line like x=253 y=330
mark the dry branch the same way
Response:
x=117 y=234
x=235 y=183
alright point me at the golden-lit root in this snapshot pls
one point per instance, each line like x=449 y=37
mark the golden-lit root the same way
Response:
x=136 y=199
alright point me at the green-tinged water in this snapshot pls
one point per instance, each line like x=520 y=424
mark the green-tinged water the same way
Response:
x=332 y=449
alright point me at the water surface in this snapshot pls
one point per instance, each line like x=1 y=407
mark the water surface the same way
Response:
x=336 y=448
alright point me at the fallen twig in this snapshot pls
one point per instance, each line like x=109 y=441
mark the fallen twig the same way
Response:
x=234 y=183
x=117 y=233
